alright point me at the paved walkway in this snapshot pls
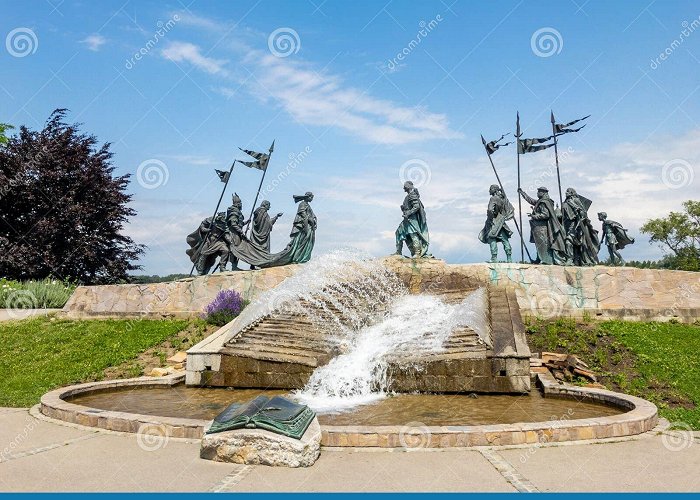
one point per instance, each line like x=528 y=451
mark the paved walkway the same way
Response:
x=36 y=455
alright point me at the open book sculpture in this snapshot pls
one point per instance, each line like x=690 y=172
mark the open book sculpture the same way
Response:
x=277 y=414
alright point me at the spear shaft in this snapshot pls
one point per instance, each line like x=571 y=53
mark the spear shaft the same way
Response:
x=556 y=159
x=213 y=218
x=252 y=209
x=520 y=199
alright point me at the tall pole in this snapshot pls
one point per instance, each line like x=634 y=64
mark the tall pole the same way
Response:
x=216 y=210
x=252 y=209
x=498 y=178
x=520 y=199
x=556 y=159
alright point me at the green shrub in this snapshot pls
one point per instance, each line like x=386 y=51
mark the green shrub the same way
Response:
x=40 y=294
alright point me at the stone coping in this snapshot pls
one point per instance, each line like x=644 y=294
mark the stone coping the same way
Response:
x=641 y=417
x=54 y=405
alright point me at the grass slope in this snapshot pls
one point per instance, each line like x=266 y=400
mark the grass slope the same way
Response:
x=656 y=361
x=38 y=355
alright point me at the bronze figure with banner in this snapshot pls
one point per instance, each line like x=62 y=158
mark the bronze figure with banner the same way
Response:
x=581 y=239
x=546 y=232
x=495 y=228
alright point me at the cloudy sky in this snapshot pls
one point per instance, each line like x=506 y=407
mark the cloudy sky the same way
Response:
x=360 y=96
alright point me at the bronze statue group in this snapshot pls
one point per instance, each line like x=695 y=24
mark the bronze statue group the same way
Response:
x=562 y=235
x=224 y=236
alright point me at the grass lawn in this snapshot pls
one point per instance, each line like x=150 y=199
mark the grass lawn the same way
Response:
x=37 y=355
x=656 y=361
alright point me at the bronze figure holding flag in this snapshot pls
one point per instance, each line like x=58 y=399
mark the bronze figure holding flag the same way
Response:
x=495 y=228
x=546 y=232
x=581 y=239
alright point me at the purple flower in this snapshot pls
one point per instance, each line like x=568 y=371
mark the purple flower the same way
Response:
x=226 y=301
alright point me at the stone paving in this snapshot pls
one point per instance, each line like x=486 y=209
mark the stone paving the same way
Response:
x=38 y=455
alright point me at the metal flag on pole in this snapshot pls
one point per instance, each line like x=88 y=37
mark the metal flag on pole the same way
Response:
x=223 y=177
x=263 y=160
x=490 y=148
x=557 y=130
x=556 y=159
x=520 y=200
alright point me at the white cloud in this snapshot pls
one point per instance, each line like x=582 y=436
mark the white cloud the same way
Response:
x=323 y=99
x=188 y=52
x=94 y=42
x=317 y=98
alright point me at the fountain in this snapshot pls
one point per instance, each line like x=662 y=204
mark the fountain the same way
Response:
x=380 y=349
x=348 y=329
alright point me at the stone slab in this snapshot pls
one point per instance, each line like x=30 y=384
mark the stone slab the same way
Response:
x=261 y=447
x=20 y=432
x=114 y=463
x=348 y=471
x=641 y=465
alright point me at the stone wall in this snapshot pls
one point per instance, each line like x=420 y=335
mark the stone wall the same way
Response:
x=552 y=291
x=182 y=298
x=544 y=291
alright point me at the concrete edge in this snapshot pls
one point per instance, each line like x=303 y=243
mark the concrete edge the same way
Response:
x=641 y=417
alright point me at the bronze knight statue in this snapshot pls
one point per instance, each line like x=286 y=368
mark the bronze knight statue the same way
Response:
x=413 y=230
x=615 y=237
x=581 y=239
x=546 y=231
x=495 y=228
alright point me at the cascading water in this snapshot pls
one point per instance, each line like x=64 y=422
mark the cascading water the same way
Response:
x=364 y=310
x=414 y=324
x=340 y=291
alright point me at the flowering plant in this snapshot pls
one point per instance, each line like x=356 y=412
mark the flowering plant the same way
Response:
x=224 y=308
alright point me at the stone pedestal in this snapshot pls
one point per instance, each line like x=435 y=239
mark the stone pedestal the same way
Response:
x=261 y=447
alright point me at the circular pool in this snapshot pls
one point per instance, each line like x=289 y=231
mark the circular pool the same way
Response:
x=553 y=413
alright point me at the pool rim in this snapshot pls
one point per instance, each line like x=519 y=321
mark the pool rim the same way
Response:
x=641 y=416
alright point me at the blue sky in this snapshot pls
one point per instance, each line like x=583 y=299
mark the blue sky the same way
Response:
x=352 y=120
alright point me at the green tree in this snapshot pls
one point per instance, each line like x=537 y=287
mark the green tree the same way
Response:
x=4 y=127
x=678 y=232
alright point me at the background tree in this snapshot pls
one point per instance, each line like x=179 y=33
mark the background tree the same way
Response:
x=62 y=211
x=4 y=127
x=679 y=232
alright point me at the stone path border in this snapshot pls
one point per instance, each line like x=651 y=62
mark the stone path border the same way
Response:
x=641 y=417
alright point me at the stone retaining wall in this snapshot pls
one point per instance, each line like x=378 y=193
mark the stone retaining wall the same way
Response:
x=182 y=298
x=553 y=291
x=543 y=291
